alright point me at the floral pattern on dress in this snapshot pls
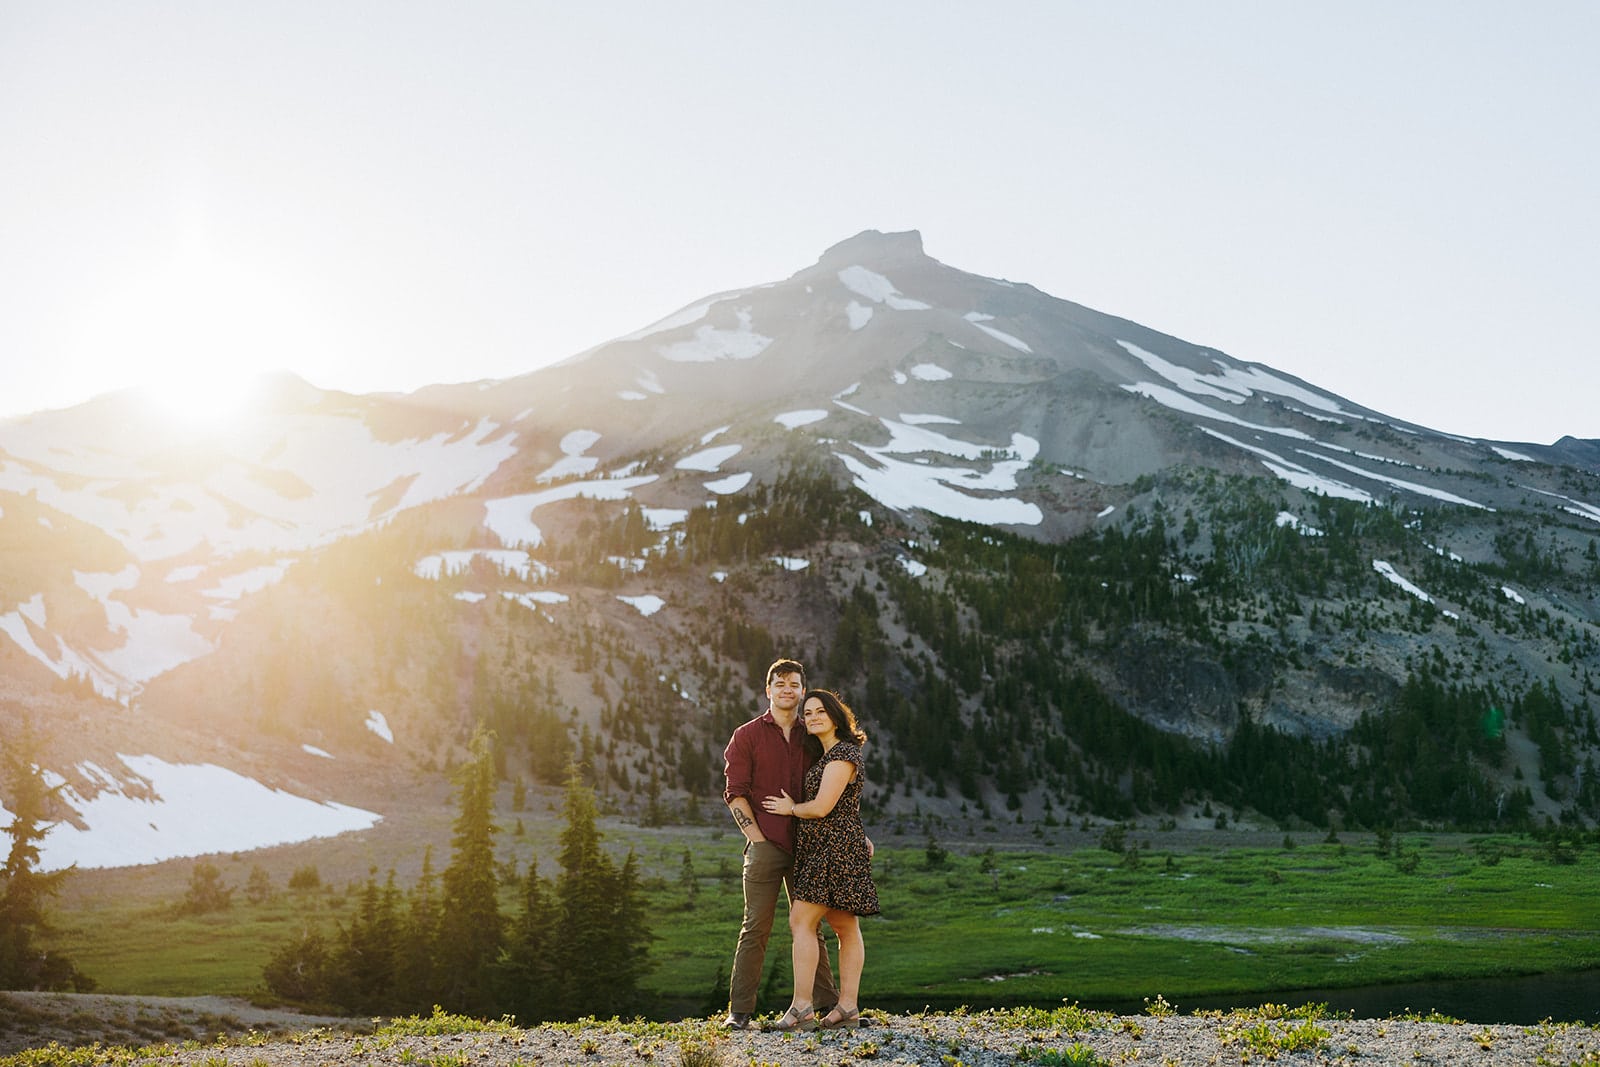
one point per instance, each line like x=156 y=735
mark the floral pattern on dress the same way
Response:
x=832 y=866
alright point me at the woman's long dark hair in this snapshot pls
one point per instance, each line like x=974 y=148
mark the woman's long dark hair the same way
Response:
x=844 y=720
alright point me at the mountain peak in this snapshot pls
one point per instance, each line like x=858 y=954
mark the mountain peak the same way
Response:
x=876 y=246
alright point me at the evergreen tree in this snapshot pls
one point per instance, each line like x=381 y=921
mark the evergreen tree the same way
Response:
x=365 y=961
x=206 y=891
x=23 y=888
x=603 y=939
x=528 y=971
x=471 y=929
x=300 y=970
x=416 y=987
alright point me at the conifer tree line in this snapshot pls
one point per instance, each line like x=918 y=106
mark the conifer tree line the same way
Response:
x=1008 y=683
x=564 y=949
x=1003 y=688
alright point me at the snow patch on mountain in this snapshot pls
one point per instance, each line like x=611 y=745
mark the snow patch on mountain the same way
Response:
x=907 y=486
x=191 y=810
x=510 y=518
x=152 y=642
x=378 y=723
x=237 y=586
x=1414 y=487
x=708 y=459
x=269 y=487
x=508 y=561
x=573 y=461
x=978 y=318
x=650 y=383
x=646 y=605
x=1387 y=570
x=905 y=438
x=1572 y=507
x=731 y=484
x=859 y=315
x=922 y=420
x=930 y=372
x=25 y=625
x=1296 y=475
x=710 y=344
x=659 y=519
x=1177 y=401
x=536 y=597
x=878 y=289
x=790 y=420
x=944 y=490
x=1233 y=384
x=1291 y=520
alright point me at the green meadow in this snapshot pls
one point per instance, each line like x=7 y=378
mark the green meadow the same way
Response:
x=970 y=925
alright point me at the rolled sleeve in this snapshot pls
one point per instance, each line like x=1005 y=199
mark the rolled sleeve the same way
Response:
x=739 y=767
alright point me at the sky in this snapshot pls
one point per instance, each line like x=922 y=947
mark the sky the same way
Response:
x=1392 y=201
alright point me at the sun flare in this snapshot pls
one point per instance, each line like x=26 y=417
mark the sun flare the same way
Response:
x=196 y=337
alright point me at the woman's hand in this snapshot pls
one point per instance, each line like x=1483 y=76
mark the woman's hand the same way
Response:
x=783 y=804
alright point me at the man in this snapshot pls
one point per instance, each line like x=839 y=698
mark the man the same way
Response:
x=765 y=756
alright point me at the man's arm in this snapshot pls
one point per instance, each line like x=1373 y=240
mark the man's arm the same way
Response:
x=744 y=817
x=739 y=766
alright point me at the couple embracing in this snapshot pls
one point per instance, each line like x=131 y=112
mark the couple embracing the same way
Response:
x=794 y=787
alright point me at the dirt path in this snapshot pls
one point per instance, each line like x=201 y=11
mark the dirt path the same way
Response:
x=31 y=1020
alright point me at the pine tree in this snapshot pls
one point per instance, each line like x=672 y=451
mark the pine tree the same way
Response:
x=300 y=970
x=23 y=888
x=603 y=938
x=416 y=982
x=528 y=971
x=365 y=961
x=471 y=929
x=206 y=891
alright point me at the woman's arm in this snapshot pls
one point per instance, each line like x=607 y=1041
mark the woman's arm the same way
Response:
x=835 y=776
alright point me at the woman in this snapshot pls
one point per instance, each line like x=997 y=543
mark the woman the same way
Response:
x=832 y=859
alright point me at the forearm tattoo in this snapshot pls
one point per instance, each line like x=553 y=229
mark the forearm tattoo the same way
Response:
x=741 y=818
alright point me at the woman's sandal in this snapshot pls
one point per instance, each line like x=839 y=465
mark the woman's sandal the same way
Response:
x=847 y=1020
x=792 y=1020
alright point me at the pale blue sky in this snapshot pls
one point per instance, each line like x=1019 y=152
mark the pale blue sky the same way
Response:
x=1394 y=201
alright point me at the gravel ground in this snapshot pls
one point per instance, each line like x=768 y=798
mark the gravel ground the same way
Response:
x=976 y=1040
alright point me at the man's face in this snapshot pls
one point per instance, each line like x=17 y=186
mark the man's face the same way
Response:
x=785 y=690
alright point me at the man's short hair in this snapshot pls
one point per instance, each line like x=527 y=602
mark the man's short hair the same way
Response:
x=787 y=666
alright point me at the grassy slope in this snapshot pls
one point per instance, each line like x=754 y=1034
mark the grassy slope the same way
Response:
x=1027 y=926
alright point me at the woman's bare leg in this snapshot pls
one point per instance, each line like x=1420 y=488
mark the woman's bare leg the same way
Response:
x=852 y=958
x=804 y=919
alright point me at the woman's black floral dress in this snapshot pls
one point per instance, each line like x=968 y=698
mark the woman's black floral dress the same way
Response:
x=831 y=864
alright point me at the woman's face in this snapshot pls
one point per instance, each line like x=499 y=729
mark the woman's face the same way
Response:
x=817 y=720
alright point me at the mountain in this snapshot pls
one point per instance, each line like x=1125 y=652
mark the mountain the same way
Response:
x=1066 y=565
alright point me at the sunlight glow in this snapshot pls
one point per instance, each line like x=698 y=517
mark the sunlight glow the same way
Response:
x=196 y=335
